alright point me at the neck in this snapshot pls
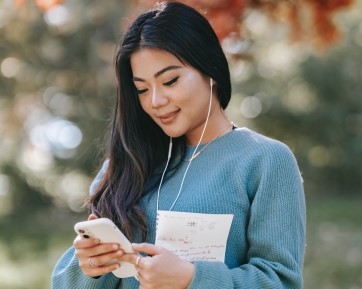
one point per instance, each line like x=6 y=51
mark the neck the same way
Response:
x=218 y=123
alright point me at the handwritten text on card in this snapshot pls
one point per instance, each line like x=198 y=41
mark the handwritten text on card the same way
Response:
x=193 y=236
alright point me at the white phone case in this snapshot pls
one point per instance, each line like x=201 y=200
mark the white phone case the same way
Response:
x=107 y=232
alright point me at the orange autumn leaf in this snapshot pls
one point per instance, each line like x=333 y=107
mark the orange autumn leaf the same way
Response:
x=226 y=16
x=19 y=3
x=323 y=12
x=43 y=5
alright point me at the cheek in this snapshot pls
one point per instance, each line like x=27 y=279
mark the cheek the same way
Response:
x=147 y=108
x=197 y=99
x=144 y=104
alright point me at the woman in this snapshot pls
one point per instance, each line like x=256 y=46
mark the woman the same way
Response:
x=172 y=148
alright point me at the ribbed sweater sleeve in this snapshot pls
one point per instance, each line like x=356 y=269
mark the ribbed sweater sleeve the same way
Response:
x=68 y=275
x=275 y=229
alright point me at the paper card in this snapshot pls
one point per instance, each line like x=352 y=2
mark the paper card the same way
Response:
x=193 y=236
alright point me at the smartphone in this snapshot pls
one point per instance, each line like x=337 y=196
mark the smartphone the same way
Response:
x=107 y=232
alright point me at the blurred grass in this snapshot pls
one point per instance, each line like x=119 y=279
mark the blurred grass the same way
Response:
x=333 y=253
x=334 y=242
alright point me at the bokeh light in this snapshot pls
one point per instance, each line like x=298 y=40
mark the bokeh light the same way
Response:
x=10 y=67
x=58 y=15
x=251 y=107
x=319 y=156
x=60 y=136
x=299 y=97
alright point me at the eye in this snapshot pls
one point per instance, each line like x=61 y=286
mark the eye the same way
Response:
x=171 y=82
x=140 y=91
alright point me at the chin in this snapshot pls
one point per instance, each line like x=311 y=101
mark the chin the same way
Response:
x=173 y=133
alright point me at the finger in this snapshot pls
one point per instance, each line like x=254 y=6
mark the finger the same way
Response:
x=99 y=250
x=104 y=259
x=92 y=217
x=81 y=243
x=147 y=248
x=131 y=258
x=99 y=270
x=141 y=280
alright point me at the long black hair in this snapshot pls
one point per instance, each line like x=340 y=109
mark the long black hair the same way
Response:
x=137 y=145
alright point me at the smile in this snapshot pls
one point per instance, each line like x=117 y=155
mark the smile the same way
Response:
x=169 y=117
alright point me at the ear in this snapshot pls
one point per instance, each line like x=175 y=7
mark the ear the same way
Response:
x=212 y=82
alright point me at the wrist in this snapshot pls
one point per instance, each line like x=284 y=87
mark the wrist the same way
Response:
x=189 y=269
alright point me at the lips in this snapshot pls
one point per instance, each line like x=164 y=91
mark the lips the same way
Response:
x=168 y=117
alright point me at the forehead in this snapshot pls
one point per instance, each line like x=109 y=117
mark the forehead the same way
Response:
x=148 y=61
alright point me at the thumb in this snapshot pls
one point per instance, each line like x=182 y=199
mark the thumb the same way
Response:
x=92 y=217
x=147 y=248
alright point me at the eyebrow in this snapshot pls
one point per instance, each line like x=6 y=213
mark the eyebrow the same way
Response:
x=157 y=74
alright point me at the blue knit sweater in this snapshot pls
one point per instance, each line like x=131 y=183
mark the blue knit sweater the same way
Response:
x=243 y=173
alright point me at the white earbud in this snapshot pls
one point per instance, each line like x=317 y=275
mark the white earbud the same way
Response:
x=170 y=148
x=210 y=81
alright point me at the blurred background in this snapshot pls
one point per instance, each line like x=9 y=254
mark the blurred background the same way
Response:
x=297 y=76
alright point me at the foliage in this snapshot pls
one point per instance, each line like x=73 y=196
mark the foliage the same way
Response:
x=55 y=101
x=225 y=16
x=316 y=109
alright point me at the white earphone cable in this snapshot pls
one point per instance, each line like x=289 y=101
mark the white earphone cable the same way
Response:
x=194 y=152
x=164 y=171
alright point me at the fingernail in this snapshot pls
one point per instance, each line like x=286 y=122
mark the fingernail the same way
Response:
x=115 y=246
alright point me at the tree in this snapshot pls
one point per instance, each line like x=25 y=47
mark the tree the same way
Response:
x=227 y=16
x=56 y=91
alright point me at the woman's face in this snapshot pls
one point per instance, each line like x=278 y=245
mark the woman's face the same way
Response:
x=175 y=95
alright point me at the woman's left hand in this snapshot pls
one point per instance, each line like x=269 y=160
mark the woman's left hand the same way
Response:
x=160 y=269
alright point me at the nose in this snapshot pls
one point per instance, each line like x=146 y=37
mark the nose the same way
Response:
x=158 y=98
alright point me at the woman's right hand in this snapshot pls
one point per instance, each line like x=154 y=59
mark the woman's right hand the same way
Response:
x=94 y=258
